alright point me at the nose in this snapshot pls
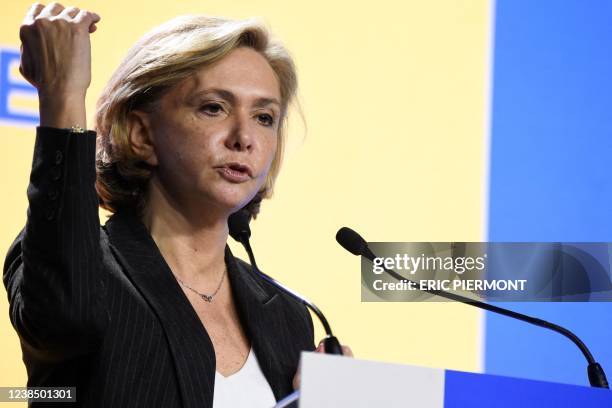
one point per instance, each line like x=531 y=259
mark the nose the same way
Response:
x=240 y=137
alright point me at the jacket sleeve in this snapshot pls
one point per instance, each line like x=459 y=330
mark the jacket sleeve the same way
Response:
x=52 y=272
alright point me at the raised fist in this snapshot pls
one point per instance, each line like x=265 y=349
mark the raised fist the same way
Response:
x=56 y=50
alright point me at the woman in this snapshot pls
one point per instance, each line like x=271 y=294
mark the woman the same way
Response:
x=152 y=309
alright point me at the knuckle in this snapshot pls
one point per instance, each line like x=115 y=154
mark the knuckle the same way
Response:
x=56 y=7
x=80 y=28
x=40 y=22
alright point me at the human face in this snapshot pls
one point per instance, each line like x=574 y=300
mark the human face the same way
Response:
x=215 y=133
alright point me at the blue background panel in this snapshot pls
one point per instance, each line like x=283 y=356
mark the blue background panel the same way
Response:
x=551 y=168
x=463 y=390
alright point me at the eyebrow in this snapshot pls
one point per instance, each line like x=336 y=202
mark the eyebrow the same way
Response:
x=225 y=94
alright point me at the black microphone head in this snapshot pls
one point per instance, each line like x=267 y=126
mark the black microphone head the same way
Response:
x=352 y=242
x=238 y=224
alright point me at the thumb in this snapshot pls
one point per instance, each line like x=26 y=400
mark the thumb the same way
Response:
x=297 y=378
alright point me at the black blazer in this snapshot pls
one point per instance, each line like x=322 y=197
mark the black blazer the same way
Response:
x=98 y=307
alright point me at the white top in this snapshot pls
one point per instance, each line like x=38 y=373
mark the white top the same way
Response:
x=247 y=388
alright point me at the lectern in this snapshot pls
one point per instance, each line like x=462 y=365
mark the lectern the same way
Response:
x=336 y=382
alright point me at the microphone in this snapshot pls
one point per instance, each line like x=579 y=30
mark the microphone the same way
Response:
x=239 y=229
x=355 y=244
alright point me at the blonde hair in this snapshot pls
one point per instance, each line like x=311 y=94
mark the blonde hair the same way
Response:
x=158 y=61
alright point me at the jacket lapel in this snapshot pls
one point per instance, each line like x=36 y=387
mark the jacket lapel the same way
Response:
x=259 y=309
x=261 y=314
x=191 y=348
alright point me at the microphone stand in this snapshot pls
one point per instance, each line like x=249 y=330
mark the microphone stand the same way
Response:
x=354 y=243
x=239 y=230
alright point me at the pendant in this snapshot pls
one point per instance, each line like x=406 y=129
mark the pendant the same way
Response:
x=206 y=298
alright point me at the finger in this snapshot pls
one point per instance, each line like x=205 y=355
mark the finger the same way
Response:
x=32 y=13
x=51 y=10
x=321 y=347
x=296 y=377
x=69 y=12
x=87 y=17
x=346 y=351
x=296 y=380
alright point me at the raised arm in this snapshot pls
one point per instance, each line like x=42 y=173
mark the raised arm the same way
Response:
x=52 y=271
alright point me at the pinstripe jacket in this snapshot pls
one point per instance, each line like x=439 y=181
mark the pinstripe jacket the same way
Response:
x=99 y=309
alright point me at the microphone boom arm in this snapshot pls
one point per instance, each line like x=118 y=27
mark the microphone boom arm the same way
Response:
x=354 y=243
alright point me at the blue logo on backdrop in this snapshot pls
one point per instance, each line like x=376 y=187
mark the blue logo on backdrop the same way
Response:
x=11 y=86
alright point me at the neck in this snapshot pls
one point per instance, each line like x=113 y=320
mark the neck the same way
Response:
x=193 y=244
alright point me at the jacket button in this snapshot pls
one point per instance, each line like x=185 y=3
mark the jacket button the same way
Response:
x=58 y=157
x=56 y=173
x=49 y=213
x=53 y=194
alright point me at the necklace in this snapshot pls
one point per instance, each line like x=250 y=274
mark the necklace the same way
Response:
x=206 y=298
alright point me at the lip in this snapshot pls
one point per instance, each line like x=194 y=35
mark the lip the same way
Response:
x=235 y=172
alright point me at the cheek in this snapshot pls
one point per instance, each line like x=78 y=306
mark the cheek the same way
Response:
x=271 y=148
x=268 y=159
x=182 y=145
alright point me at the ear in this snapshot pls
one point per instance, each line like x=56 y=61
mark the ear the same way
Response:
x=140 y=137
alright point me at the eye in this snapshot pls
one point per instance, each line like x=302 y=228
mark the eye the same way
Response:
x=212 y=109
x=265 y=119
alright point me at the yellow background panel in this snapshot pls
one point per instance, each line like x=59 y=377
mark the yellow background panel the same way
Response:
x=395 y=96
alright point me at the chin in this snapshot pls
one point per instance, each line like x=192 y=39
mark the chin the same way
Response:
x=235 y=200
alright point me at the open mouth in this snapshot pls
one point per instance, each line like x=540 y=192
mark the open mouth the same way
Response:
x=235 y=172
x=239 y=168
